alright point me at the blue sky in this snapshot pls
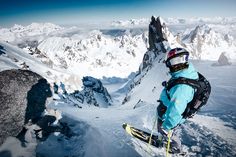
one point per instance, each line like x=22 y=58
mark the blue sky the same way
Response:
x=82 y=11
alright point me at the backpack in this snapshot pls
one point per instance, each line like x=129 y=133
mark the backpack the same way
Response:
x=202 y=92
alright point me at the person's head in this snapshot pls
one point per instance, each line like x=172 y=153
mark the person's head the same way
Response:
x=177 y=59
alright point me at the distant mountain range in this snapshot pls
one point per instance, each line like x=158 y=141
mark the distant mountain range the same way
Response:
x=117 y=51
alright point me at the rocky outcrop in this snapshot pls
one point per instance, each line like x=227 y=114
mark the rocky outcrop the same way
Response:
x=159 y=38
x=23 y=96
x=155 y=33
x=158 y=43
x=2 y=50
x=223 y=60
x=94 y=92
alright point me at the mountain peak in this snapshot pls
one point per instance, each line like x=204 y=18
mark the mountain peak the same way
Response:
x=203 y=39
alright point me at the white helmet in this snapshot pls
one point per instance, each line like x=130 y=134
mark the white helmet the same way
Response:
x=177 y=59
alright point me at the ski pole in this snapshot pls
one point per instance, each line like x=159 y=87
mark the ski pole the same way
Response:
x=168 y=144
x=150 y=138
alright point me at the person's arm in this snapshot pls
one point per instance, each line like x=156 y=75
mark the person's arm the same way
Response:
x=180 y=95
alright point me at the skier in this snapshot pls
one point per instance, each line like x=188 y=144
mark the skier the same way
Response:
x=173 y=102
x=183 y=95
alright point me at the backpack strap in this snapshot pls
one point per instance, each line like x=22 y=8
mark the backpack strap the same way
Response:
x=182 y=80
x=201 y=94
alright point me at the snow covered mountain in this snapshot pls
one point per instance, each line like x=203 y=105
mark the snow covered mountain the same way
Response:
x=68 y=54
x=110 y=52
x=207 y=44
x=19 y=32
x=116 y=51
x=201 y=20
x=13 y=57
x=143 y=22
x=145 y=90
x=84 y=52
x=131 y=23
x=205 y=38
x=98 y=55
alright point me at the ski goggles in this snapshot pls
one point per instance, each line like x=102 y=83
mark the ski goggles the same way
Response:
x=177 y=60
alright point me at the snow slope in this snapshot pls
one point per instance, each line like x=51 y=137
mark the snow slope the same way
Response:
x=210 y=133
x=16 y=58
x=98 y=131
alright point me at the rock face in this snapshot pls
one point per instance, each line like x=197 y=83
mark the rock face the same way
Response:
x=94 y=92
x=223 y=59
x=23 y=96
x=155 y=33
x=160 y=41
x=2 y=50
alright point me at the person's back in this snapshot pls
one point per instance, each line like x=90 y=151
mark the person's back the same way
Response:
x=178 y=97
x=173 y=102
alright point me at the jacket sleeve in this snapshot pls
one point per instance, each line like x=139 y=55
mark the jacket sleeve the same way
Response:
x=180 y=96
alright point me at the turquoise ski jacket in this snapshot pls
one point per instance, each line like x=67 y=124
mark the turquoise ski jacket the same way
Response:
x=180 y=96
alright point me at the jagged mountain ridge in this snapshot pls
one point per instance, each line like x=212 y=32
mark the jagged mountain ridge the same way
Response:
x=93 y=52
x=204 y=39
x=199 y=40
x=93 y=93
x=114 y=52
x=104 y=53
x=18 y=32
x=176 y=21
